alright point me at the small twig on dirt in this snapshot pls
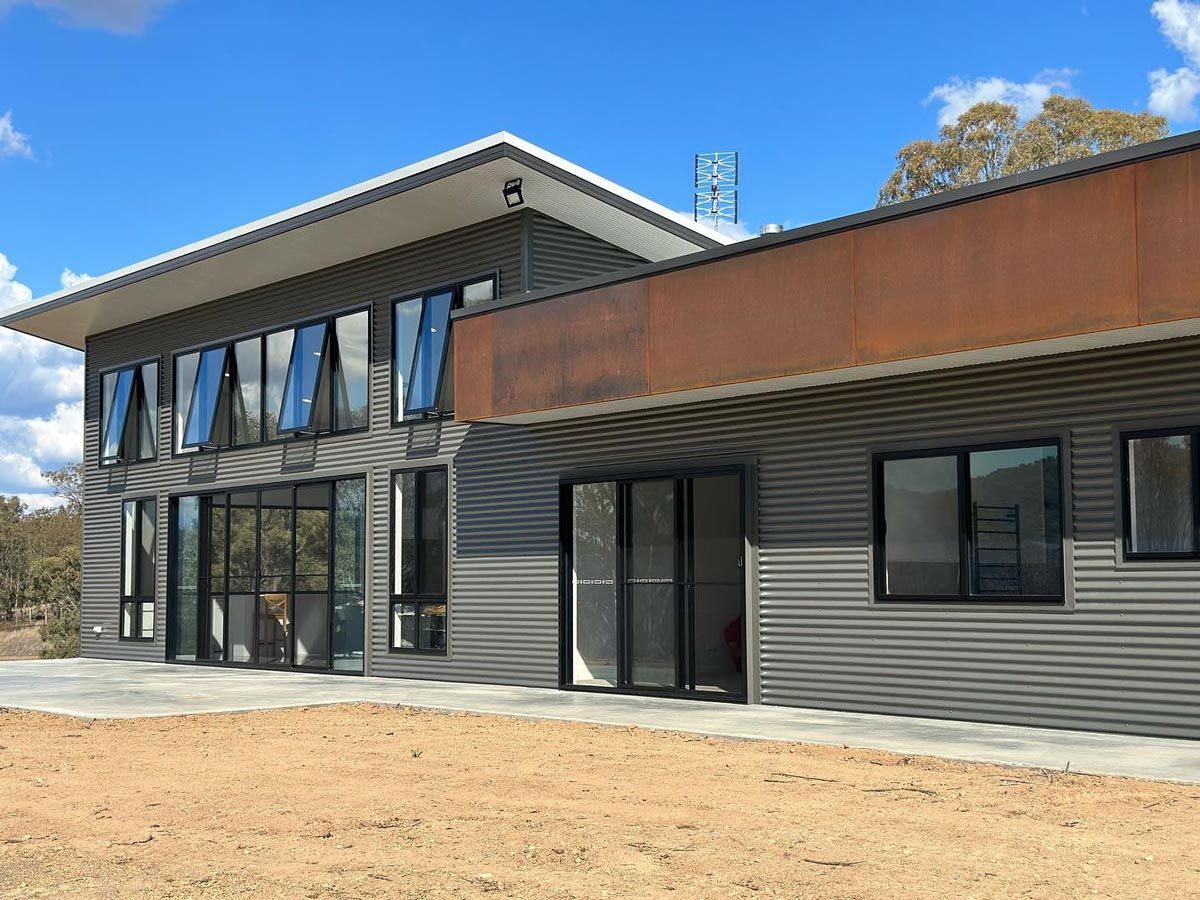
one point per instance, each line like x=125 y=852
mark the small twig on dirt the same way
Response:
x=8 y=766
x=802 y=777
x=834 y=862
x=19 y=840
x=915 y=790
x=1013 y=781
x=147 y=839
x=398 y=823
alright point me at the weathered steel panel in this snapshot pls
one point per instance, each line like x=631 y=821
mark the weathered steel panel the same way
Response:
x=780 y=312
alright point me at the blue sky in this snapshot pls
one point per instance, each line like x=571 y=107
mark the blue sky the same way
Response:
x=129 y=127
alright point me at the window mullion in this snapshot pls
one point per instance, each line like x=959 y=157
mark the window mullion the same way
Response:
x=964 y=526
x=1195 y=435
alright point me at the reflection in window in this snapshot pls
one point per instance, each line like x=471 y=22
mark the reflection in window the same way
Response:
x=920 y=502
x=971 y=524
x=129 y=414
x=1016 y=522
x=1161 y=494
x=137 y=569
x=313 y=378
x=206 y=396
x=420 y=536
x=300 y=388
x=423 y=347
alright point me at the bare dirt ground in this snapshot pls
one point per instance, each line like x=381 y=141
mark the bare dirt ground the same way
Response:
x=364 y=801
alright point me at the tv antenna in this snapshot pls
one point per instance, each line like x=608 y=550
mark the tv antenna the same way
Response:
x=716 y=198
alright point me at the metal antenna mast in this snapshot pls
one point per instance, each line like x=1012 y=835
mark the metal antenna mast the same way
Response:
x=716 y=198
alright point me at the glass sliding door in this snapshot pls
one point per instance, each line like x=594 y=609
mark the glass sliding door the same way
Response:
x=273 y=577
x=652 y=585
x=595 y=616
x=655 y=580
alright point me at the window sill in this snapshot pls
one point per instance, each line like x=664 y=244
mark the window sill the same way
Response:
x=136 y=640
x=967 y=603
x=413 y=651
x=210 y=452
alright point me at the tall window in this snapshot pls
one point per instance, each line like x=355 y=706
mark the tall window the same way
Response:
x=420 y=535
x=137 y=570
x=1162 y=504
x=309 y=379
x=129 y=414
x=423 y=348
x=970 y=524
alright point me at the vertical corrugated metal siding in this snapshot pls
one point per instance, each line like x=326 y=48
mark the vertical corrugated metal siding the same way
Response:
x=1124 y=655
x=562 y=253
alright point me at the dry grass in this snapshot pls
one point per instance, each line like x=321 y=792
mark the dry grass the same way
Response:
x=19 y=641
x=364 y=801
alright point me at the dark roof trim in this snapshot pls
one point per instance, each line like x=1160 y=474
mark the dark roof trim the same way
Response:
x=1076 y=168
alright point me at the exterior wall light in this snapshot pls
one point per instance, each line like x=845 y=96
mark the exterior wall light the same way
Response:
x=512 y=193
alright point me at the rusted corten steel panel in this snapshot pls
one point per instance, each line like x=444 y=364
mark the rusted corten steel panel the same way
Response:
x=568 y=351
x=1047 y=262
x=1168 y=223
x=789 y=312
x=1110 y=249
x=473 y=367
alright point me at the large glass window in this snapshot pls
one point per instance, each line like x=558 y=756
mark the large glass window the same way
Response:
x=420 y=538
x=272 y=577
x=137 y=570
x=1161 y=500
x=423 y=347
x=970 y=524
x=129 y=414
x=311 y=379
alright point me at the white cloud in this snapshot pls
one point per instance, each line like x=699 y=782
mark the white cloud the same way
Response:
x=13 y=142
x=41 y=403
x=69 y=279
x=958 y=95
x=117 y=16
x=1173 y=94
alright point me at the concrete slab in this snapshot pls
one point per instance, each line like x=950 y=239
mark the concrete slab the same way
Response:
x=103 y=689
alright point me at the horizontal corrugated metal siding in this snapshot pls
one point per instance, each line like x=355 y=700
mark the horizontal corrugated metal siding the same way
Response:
x=561 y=253
x=1124 y=654
x=493 y=244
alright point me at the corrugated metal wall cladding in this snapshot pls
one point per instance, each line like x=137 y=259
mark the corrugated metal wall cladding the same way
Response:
x=1125 y=655
x=480 y=649
x=562 y=254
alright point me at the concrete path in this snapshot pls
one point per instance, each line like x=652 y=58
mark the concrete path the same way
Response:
x=103 y=689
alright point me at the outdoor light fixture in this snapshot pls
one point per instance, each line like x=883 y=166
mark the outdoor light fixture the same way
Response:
x=512 y=193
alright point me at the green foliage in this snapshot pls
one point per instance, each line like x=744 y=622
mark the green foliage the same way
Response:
x=988 y=142
x=40 y=562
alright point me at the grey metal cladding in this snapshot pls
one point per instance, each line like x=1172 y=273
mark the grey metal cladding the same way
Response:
x=561 y=253
x=495 y=244
x=1122 y=655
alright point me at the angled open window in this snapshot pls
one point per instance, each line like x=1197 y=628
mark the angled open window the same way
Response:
x=128 y=413
x=423 y=348
x=310 y=379
x=305 y=372
x=208 y=399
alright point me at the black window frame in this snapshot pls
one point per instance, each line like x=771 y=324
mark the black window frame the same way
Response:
x=396 y=598
x=961 y=453
x=140 y=395
x=137 y=600
x=330 y=356
x=455 y=288
x=1124 y=439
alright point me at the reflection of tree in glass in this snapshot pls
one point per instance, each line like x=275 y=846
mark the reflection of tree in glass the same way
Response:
x=1160 y=472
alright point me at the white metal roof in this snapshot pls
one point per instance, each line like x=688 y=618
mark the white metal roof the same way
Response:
x=439 y=194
